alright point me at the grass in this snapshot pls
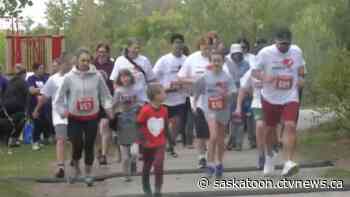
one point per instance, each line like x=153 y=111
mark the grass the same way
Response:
x=326 y=143
x=25 y=162
x=15 y=189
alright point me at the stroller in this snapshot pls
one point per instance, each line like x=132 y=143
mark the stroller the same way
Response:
x=9 y=124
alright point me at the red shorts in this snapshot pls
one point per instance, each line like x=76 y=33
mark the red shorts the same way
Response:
x=274 y=114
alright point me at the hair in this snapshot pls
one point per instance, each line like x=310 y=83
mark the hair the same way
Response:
x=176 y=36
x=283 y=33
x=127 y=73
x=186 y=50
x=204 y=40
x=103 y=45
x=153 y=90
x=245 y=41
x=132 y=40
x=36 y=66
x=65 y=57
x=81 y=51
x=211 y=35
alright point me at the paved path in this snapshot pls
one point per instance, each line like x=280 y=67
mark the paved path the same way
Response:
x=188 y=160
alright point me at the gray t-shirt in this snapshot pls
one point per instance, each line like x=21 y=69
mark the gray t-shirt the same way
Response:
x=216 y=90
x=126 y=98
x=126 y=101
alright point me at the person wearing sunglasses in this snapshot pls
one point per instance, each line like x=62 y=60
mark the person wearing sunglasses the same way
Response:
x=281 y=67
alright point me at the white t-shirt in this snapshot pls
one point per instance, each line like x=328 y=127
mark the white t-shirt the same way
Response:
x=49 y=90
x=140 y=80
x=195 y=66
x=247 y=82
x=166 y=70
x=285 y=67
x=250 y=58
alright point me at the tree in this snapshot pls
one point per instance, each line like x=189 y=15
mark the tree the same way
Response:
x=2 y=48
x=57 y=14
x=28 y=23
x=13 y=7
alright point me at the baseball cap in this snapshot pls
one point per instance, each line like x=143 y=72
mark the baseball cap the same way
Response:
x=236 y=48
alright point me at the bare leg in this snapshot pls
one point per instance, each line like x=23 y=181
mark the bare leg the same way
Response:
x=290 y=140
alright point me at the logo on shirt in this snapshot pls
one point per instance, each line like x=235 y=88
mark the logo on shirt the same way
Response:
x=155 y=126
x=288 y=62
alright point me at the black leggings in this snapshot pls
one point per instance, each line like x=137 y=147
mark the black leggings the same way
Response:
x=82 y=135
x=41 y=125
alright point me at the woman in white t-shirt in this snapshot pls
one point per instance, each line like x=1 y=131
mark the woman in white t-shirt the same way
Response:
x=138 y=65
x=166 y=70
x=194 y=67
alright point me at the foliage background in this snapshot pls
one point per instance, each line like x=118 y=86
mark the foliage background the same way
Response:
x=321 y=28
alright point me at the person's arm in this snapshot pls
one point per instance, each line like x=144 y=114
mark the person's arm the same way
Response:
x=151 y=77
x=59 y=101
x=184 y=74
x=42 y=99
x=258 y=69
x=105 y=96
x=114 y=74
x=32 y=89
x=198 y=89
x=301 y=75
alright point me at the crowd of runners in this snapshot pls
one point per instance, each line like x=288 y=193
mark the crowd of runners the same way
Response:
x=206 y=100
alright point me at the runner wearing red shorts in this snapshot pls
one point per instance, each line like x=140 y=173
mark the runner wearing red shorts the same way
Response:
x=281 y=68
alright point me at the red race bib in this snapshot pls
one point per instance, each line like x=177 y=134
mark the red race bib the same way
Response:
x=216 y=102
x=85 y=104
x=284 y=82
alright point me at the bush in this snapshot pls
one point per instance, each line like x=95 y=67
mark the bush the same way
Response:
x=334 y=84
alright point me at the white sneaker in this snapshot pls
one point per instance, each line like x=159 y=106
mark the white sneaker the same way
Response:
x=269 y=166
x=290 y=168
x=36 y=146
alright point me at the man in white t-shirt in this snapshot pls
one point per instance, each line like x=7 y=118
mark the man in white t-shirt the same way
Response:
x=194 y=67
x=166 y=69
x=281 y=68
x=138 y=65
x=49 y=92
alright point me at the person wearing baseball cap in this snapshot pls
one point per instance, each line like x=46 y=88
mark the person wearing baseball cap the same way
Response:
x=236 y=67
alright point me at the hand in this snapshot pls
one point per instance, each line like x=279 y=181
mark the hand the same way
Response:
x=300 y=83
x=65 y=114
x=35 y=114
x=269 y=79
x=237 y=112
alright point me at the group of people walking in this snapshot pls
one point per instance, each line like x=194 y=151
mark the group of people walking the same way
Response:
x=225 y=91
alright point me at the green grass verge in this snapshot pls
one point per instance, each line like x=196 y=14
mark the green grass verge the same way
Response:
x=325 y=143
x=15 y=189
x=25 y=162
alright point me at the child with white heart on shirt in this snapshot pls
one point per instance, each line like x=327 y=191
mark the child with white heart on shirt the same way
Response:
x=152 y=119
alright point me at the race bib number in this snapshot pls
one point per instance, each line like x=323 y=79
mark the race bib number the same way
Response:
x=85 y=104
x=216 y=102
x=284 y=82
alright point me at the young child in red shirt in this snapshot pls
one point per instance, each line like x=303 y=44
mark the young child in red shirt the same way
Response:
x=152 y=119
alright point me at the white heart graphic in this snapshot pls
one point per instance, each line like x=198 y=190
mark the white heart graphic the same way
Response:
x=155 y=126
